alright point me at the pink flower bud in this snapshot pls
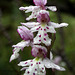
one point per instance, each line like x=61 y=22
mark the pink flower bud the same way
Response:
x=25 y=33
x=40 y=2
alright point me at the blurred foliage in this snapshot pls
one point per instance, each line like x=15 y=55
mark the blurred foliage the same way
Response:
x=11 y=18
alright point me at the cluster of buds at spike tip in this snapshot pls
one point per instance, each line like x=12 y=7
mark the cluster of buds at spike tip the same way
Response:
x=40 y=42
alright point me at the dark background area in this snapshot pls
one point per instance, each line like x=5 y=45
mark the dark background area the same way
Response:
x=10 y=18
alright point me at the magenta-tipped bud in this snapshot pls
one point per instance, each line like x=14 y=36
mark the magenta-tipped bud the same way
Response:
x=43 y=17
x=39 y=51
x=25 y=33
x=40 y=2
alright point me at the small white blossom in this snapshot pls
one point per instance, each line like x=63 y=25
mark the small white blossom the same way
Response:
x=43 y=29
x=40 y=5
x=37 y=66
x=33 y=67
x=42 y=35
x=43 y=26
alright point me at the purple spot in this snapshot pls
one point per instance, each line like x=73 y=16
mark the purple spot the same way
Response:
x=45 y=34
x=35 y=69
x=41 y=28
x=31 y=64
x=28 y=72
x=39 y=40
x=39 y=35
x=37 y=29
x=47 y=27
x=42 y=68
x=39 y=62
x=33 y=73
x=45 y=39
x=26 y=62
x=44 y=29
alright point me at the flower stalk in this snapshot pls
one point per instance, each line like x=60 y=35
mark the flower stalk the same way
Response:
x=41 y=43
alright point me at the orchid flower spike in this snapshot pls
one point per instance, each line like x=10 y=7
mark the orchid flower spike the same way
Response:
x=40 y=5
x=37 y=66
x=43 y=26
x=27 y=37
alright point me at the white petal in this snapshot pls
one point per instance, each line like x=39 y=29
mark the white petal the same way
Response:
x=43 y=12
x=22 y=44
x=34 y=29
x=46 y=62
x=30 y=24
x=16 y=50
x=41 y=37
x=49 y=64
x=56 y=25
x=34 y=13
x=45 y=39
x=41 y=67
x=14 y=56
x=51 y=29
x=63 y=24
x=24 y=63
x=37 y=39
x=33 y=9
x=31 y=69
x=47 y=42
x=29 y=9
x=22 y=8
x=30 y=17
x=51 y=55
x=52 y=8
x=24 y=68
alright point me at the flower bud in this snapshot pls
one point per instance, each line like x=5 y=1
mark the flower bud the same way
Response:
x=40 y=2
x=25 y=33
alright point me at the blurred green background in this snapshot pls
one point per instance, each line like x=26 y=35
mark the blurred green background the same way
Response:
x=10 y=18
